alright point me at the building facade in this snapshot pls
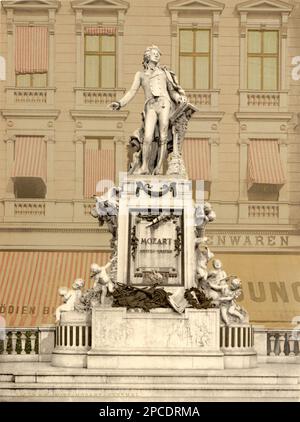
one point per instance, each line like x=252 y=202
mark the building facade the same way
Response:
x=67 y=60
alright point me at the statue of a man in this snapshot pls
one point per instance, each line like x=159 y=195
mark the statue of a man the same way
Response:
x=162 y=94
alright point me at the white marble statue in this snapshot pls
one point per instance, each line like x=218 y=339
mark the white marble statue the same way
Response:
x=163 y=95
x=71 y=297
x=230 y=311
x=204 y=214
x=203 y=256
x=218 y=274
x=102 y=280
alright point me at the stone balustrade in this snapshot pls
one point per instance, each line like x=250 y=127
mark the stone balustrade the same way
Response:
x=73 y=336
x=16 y=210
x=19 y=341
x=38 y=343
x=263 y=211
x=97 y=97
x=29 y=208
x=263 y=100
x=205 y=99
x=255 y=212
x=23 y=344
x=236 y=337
x=33 y=96
x=283 y=343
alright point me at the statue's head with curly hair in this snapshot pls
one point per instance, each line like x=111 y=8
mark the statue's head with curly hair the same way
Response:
x=152 y=53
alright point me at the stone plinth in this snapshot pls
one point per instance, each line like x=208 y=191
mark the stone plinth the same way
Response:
x=72 y=340
x=158 y=339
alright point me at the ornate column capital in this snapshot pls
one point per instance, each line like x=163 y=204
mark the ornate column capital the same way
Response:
x=214 y=140
x=244 y=141
x=49 y=139
x=79 y=140
x=9 y=138
x=119 y=140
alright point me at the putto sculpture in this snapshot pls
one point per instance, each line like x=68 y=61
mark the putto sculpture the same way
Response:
x=102 y=280
x=71 y=297
x=165 y=115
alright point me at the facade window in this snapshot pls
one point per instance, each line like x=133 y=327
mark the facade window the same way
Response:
x=195 y=58
x=197 y=157
x=99 y=166
x=100 y=60
x=29 y=168
x=263 y=60
x=31 y=56
x=266 y=174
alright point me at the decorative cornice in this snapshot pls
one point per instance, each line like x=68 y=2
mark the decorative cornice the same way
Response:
x=209 y=115
x=103 y=5
x=196 y=5
x=100 y=114
x=263 y=6
x=264 y=116
x=29 y=113
x=31 y=5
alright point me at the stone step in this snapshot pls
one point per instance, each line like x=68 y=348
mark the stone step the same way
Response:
x=6 y=378
x=161 y=392
x=172 y=379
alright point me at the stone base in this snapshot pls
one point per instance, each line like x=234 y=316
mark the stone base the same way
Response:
x=160 y=360
x=72 y=340
x=240 y=359
x=69 y=359
x=160 y=339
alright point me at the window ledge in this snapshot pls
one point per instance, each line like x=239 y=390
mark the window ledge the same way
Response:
x=100 y=97
x=255 y=100
x=40 y=97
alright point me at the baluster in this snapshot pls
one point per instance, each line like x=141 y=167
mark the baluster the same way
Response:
x=32 y=343
x=86 y=336
x=13 y=343
x=235 y=337
x=241 y=337
x=272 y=344
x=229 y=336
x=292 y=345
x=57 y=336
x=63 y=335
x=281 y=344
x=5 y=340
x=23 y=343
x=80 y=336
x=68 y=335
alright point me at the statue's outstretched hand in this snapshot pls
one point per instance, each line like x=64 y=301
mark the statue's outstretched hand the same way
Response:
x=114 y=106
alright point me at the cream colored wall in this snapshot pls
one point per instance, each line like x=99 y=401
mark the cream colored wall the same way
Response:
x=146 y=23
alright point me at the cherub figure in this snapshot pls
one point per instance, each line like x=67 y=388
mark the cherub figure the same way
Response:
x=203 y=215
x=71 y=297
x=102 y=280
x=228 y=293
x=217 y=274
x=203 y=256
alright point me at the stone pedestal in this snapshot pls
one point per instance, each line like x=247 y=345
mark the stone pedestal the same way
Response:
x=166 y=245
x=160 y=339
